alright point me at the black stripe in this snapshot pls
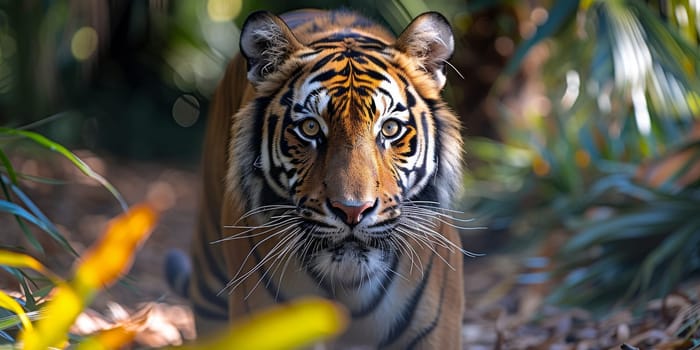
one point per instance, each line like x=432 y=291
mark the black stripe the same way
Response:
x=430 y=191
x=210 y=296
x=275 y=171
x=409 y=309
x=205 y=292
x=410 y=99
x=421 y=170
x=247 y=170
x=323 y=61
x=429 y=329
x=377 y=61
x=268 y=196
x=375 y=75
x=390 y=96
x=324 y=76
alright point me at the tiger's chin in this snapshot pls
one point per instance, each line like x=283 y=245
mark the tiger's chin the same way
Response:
x=351 y=264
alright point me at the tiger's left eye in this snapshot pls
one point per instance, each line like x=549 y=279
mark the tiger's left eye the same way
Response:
x=390 y=128
x=310 y=127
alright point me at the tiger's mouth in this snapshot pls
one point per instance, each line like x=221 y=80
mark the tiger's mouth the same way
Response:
x=349 y=263
x=351 y=243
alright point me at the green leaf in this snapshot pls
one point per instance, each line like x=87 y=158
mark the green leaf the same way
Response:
x=5 y=336
x=22 y=278
x=28 y=234
x=13 y=320
x=53 y=146
x=13 y=181
x=29 y=295
x=666 y=251
x=32 y=207
x=41 y=179
x=8 y=166
x=633 y=225
x=13 y=304
x=623 y=184
x=15 y=209
x=591 y=285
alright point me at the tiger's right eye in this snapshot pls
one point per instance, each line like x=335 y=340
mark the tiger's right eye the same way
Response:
x=390 y=128
x=310 y=127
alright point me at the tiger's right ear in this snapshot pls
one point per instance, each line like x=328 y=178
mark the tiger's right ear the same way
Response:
x=266 y=42
x=429 y=39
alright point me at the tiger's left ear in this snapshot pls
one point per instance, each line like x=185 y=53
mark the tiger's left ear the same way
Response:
x=266 y=42
x=429 y=39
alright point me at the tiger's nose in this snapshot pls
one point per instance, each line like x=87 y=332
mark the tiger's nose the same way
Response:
x=352 y=212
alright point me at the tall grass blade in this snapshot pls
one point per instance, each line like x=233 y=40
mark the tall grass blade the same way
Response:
x=8 y=167
x=47 y=227
x=53 y=146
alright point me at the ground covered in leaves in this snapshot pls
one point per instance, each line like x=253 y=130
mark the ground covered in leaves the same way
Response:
x=501 y=313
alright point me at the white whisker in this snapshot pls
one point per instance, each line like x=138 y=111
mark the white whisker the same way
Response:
x=273 y=255
x=455 y=68
x=428 y=232
x=293 y=247
x=269 y=226
x=428 y=243
x=266 y=208
x=406 y=250
x=276 y=255
x=236 y=279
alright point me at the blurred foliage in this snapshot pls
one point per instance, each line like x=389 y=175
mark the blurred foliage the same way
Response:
x=601 y=147
x=295 y=325
x=98 y=268
x=18 y=204
x=29 y=216
x=47 y=324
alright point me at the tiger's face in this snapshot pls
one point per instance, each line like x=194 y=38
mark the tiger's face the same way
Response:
x=349 y=133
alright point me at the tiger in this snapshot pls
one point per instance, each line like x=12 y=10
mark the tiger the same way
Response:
x=330 y=162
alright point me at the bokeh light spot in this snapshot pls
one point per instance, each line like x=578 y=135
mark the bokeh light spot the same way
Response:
x=223 y=10
x=186 y=110
x=504 y=46
x=84 y=43
x=161 y=195
x=539 y=15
